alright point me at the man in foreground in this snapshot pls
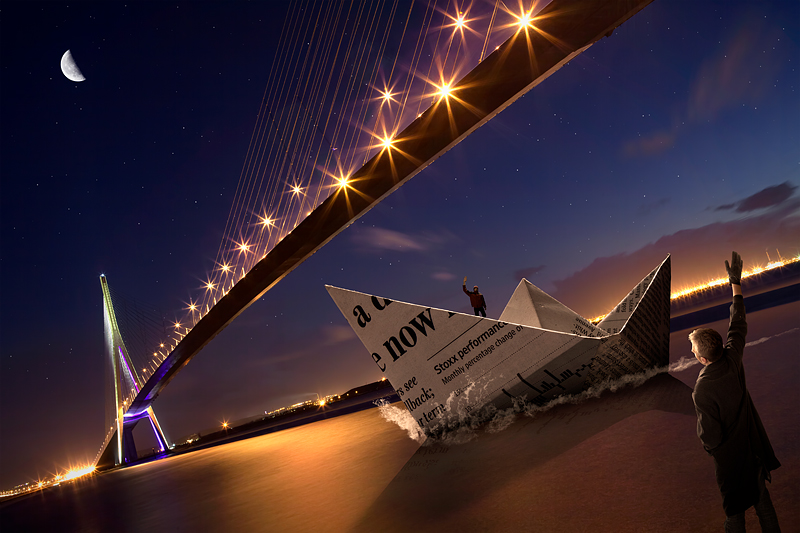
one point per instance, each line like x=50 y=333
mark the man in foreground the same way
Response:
x=727 y=422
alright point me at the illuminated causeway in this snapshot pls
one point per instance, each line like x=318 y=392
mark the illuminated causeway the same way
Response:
x=697 y=290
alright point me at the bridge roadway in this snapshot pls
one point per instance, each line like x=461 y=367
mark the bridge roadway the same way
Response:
x=567 y=28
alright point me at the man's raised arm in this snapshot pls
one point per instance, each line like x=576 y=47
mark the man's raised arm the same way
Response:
x=737 y=330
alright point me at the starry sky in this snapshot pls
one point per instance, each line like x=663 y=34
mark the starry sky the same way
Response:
x=678 y=134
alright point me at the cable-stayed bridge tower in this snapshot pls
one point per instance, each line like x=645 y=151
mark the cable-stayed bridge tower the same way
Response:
x=124 y=384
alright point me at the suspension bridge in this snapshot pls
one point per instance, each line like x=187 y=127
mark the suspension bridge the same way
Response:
x=348 y=116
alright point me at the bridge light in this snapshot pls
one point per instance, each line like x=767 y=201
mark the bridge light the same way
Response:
x=341 y=182
x=387 y=143
x=209 y=286
x=445 y=90
x=296 y=190
x=266 y=221
x=177 y=325
x=243 y=247
x=525 y=19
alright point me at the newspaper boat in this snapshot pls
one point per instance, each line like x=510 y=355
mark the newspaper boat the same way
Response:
x=447 y=366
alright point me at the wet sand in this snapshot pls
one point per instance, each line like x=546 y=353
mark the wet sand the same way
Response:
x=627 y=461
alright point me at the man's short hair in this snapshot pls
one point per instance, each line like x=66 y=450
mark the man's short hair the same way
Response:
x=708 y=343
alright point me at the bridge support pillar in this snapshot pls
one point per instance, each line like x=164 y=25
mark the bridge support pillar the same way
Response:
x=129 y=453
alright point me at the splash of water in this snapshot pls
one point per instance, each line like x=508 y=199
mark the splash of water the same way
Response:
x=493 y=420
x=402 y=418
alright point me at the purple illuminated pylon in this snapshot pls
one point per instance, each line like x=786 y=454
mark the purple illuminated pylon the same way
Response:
x=125 y=418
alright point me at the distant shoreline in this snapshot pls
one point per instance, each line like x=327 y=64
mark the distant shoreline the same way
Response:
x=353 y=401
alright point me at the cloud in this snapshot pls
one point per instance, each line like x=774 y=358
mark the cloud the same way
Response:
x=739 y=74
x=386 y=239
x=698 y=255
x=443 y=276
x=653 y=144
x=528 y=273
x=769 y=197
x=336 y=334
x=650 y=207
x=286 y=353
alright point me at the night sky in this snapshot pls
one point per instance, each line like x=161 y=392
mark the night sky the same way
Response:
x=678 y=134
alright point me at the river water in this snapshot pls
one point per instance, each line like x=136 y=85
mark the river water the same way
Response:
x=626 y=461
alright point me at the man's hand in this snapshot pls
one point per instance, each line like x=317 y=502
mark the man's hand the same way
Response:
x=734 y=269
x=465 y=280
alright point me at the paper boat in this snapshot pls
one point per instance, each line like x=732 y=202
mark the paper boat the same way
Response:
x=446 y=366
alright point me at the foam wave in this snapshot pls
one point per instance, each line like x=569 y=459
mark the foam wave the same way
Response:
x=765 y=339
x=493 y=420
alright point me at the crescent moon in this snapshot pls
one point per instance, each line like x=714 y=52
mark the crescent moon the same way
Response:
x=69 y=68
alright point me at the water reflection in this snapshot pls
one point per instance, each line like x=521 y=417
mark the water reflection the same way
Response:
x=440 y=482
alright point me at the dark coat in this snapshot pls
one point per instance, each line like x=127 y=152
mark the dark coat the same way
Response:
x=475 y=298
x=728 y=424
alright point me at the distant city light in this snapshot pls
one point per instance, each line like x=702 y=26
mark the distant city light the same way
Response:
x=722 y=281
x=689 y=291
x=57 y=479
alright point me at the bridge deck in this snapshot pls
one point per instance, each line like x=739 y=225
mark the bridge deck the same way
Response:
x=513 y=69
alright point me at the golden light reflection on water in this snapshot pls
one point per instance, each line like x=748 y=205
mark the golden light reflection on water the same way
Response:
x=318 y=477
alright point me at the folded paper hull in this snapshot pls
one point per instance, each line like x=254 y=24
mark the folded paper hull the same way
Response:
x=446 y=366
